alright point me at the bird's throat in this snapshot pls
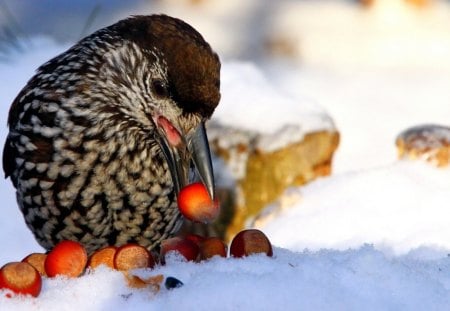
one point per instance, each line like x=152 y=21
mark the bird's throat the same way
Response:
x=173 y=136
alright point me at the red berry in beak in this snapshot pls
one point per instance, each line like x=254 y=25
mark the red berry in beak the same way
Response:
x=195 y=203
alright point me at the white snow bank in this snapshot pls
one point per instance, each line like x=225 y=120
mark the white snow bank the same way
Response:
x=252 y=102
x=398 y=208
x=362 y=279
x=371 y=107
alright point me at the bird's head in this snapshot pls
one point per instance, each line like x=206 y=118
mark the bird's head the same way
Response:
x=180 y=76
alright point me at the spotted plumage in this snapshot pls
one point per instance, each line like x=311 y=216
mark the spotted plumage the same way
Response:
x=97 y=137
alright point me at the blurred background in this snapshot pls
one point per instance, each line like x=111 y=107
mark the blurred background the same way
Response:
x=387 y=33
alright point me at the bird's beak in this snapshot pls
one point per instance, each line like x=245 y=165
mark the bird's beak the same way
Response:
x=193 y=148
x=198 y=146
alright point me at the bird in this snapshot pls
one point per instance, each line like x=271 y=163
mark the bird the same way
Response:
x=103 y=137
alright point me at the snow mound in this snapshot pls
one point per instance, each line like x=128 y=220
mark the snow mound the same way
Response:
x=398 y=208
x=251 y=102
x=362 y=279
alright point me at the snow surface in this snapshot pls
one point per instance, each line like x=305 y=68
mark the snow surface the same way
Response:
x=254 y=104
x=398 y=208
x=363 y=279
x=371 y=236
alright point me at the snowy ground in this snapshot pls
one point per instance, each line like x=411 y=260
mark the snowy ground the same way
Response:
x=372 y=236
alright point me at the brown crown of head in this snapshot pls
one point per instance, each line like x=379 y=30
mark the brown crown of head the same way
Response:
x=193 y=67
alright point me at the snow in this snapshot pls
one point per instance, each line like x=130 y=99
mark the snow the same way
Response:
x=374 y=235
x=255 y=105
x=363 y=279
x=369 y=206
x=370 y=107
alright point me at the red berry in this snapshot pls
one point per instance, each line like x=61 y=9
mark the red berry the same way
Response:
x=197 y=239
x=188 y=249
x=133 y=256
x=21 y=278
x=103 y=256
x=212 y=246
x=37 y=260
x=195 y=203
x=249 y=242
x=67 y=258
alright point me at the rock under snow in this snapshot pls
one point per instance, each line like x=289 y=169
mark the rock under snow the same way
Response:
x=428 y=142
x=268 y=141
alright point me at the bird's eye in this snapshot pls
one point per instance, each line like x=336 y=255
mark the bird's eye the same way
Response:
x=160 y=89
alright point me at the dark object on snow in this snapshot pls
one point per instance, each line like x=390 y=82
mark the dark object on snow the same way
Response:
x=102 y=137
x=429 y=142
x=172 y=283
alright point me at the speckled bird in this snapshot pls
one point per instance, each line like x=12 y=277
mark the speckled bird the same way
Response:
x=106 y=134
